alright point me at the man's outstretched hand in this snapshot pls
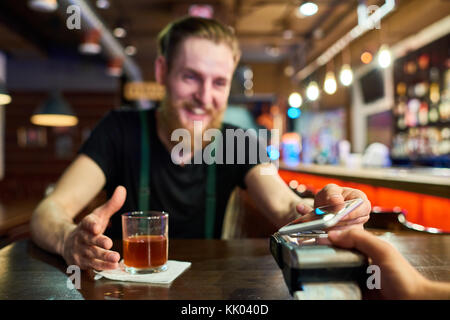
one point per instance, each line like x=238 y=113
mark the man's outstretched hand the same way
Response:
x=86 y=246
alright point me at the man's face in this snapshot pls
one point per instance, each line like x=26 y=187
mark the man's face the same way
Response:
x=198 y=84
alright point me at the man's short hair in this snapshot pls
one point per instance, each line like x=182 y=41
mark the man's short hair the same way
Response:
x=170 y=38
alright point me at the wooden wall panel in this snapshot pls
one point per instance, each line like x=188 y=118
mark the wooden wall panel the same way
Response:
x=28 y=170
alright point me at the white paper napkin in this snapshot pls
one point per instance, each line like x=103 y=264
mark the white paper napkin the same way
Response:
x=174 y=269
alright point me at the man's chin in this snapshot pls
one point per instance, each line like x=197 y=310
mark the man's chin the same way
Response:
x=188 y=119
x=197 y=125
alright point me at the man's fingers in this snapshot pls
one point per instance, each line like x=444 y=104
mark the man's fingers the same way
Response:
x=91 y=223
x=112 y=205
x=96 y=240
x=303 y=208
x=94 y=252
x=98 y=220
x=360 y=220
x=103 y=265
x=331 y=194
x=350 y=193
x=362 y=213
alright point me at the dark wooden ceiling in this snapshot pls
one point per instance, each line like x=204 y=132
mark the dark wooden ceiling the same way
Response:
x=259 y=24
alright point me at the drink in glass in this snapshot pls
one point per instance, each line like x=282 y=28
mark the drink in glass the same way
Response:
x=145 y=241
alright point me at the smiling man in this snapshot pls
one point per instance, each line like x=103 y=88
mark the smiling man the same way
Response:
x=196 y=61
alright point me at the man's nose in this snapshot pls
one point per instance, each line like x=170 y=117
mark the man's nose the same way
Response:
x=204 y=95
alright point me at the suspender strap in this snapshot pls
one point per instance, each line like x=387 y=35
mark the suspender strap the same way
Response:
x=210 y=205
x=144 y=181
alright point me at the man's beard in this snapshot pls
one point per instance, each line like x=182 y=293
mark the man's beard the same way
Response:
x=170 y=121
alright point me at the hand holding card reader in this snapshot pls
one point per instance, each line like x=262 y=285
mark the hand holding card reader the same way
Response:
x=311 y=266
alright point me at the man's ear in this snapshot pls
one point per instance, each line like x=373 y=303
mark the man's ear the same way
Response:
x=161 y=70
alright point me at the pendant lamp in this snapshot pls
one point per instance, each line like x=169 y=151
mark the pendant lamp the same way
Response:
x=55 y=112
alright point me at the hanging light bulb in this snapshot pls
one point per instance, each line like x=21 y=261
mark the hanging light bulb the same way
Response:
x=102 y=4
x=289 y=71
x=308 y=9
x=366 y=57
x=295 y=100
x=91 y=42
x=130 y=50
x=329 y=84
x=384 y=56
x=312 y=91
x=115 y=67
x=120 y=32
x=43 y=5
x=346 y=75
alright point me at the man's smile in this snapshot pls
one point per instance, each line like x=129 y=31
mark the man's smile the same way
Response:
x=196 y=113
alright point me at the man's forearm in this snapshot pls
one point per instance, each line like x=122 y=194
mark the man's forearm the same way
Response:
x=436 y=290
x=286 y=211
x=50 y=225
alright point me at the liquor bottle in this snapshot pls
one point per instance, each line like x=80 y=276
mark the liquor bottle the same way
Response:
x=423 y=114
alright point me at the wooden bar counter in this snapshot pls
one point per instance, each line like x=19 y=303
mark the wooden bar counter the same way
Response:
x=221 y=270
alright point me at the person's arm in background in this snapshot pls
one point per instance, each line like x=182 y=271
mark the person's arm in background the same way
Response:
x=52 y=225
x=274 y=198
x=399 y=280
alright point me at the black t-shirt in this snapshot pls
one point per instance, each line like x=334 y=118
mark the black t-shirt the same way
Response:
x=115 y=145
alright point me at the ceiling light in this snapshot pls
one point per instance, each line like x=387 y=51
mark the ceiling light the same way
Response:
x=288 y=34
x=91 y=42
x=43 y=5
x=248 y=73
x=329 y=84
x=102 y=4
x=248 y=84
x=366 y=57
x=295 y=100
x=384 y=56
x=289 y=71
x=201 y=10
x=346 y=75
x=308 y=9
x=130 y=50
x=115 y=67
x=5 y=98
x=55 y=112
x=120 y=32
x=312 y=91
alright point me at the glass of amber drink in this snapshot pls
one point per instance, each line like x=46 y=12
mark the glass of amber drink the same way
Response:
x=145 y=241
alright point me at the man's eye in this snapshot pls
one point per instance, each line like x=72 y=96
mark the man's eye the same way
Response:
x=220 y=83
x=189 y=76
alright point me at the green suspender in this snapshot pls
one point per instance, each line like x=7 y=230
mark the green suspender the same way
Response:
x=144 y=181
x=210 y=204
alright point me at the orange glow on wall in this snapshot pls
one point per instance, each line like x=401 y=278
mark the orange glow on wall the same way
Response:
x=429 y=211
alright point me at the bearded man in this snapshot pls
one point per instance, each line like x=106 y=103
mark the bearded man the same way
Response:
x=196 y=61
